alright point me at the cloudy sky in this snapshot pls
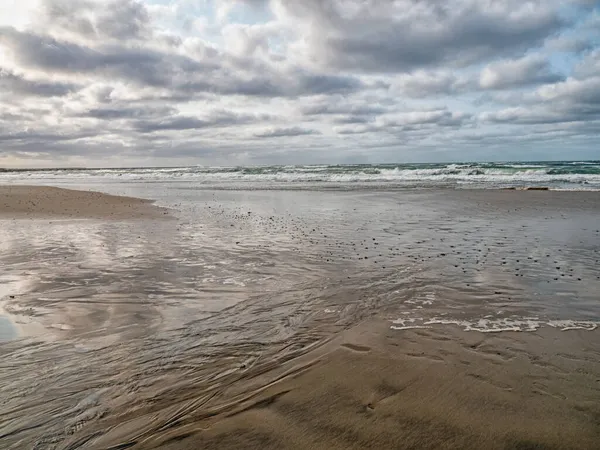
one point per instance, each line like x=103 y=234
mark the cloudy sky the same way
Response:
x=232 y=82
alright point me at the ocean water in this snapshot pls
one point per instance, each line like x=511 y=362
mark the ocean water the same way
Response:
x=568 y=175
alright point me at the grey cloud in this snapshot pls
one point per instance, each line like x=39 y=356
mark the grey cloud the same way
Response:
x=285 y=132
x=422 y=83
x=102 y=94
x=12 y=84
x=123 y=19
x=149 y=67
x=117 y=19
x=360 y=129
x=172 y=124
x=181 y=123
x=41 y=137
x=442 y=117
x=332 y=107
x=350 y=120
x=566 y=102
x=124 y=112
x=524 y=116
x=402 y=36
x=499 y=75
x=278 y=85
x=11 y=117
x=326 y=84
x=410 y=121
x=529 y=70
x=570 y=92
x=146 y=66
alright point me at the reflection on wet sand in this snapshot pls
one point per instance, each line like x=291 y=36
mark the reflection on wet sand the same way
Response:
x=237 y=323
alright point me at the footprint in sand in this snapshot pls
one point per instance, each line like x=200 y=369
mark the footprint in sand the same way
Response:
x=357 y=348
x=497 y=384
x=426 y=356
x=541 y=389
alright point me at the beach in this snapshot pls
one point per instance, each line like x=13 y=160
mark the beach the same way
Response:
x=164 y=315
x=43 y=201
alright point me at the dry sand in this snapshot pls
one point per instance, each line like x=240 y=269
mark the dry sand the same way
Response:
x=18 y=202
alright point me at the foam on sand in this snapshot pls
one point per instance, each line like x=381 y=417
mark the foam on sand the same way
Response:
x=489 y=325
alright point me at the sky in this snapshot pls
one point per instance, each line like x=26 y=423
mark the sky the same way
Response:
x=109 y=83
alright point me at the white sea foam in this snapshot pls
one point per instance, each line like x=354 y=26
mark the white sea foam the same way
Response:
x=490 y=325
x=408 y=324
x=563 y=175
x=566 y=325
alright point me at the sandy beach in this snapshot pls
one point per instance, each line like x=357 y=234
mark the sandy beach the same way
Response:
x=42 y=202
x=351 y=324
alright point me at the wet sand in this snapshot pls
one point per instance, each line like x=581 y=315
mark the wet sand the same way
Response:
x=371 y=387
x=40 y=202
x=434 y=389
x=157 y=347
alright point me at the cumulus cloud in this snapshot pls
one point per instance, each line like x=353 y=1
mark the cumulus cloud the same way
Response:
x=441 y=117
x=127 y=112
x=14 y=85
x=423 y=83
x=341 y=106
x=146 y=66
x=408 y=122
x=180 y=123
x=285 y=132
x=531 y=69
x=404 y=35
x=96 y=19
x=266 y=81
x=570 y=101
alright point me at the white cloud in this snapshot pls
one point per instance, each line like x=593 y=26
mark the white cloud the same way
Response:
x=17 y=13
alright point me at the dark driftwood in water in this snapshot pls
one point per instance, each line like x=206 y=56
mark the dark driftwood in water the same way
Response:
x=530 y=188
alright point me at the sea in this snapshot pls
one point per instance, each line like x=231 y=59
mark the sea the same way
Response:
x=559 y=175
